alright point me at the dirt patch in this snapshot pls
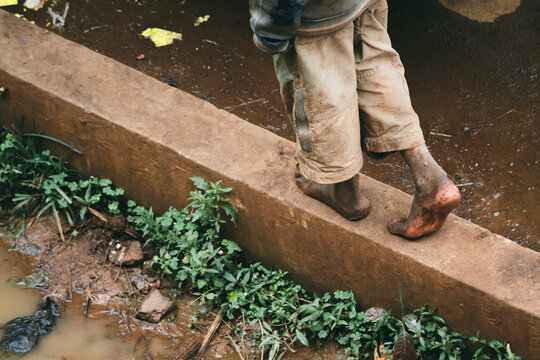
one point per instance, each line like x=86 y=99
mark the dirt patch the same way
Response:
x=92 y=289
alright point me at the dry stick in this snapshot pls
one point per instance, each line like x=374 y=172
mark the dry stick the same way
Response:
x=58 y=224
x=107 y=253
x=440 y=134
x=70 y=284
x=99 y=215
x=129 y=281
x=236 y=347
x=187 y=349
x=506 y=113
x=88 y=301
x=116 y=276
x=231 y=108
x=210 y=334
x=243 y=333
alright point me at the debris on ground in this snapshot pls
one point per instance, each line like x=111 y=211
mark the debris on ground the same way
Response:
x=37 y=280
x=187 y=349
x=169 y=81
x=155 y=307
x=8 y=2
x=161 y=37
x=127 y=254
x=22 y=334
x=58 y=21
x=143 y=284
x=141 y=57
x=34 y=4
x=201 y=19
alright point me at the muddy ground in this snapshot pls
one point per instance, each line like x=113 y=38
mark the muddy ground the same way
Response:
x=475 y=86
x=99 y=303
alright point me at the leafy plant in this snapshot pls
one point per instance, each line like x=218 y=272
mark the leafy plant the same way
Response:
x=37 y=181
x=189 y=248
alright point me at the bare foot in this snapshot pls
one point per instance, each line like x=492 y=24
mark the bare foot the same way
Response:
x=428 y=212
x=344 y=197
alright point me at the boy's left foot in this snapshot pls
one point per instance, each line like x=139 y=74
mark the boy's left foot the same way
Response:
x=428 y=212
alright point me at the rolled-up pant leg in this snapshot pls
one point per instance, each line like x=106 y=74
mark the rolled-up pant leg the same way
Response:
x=387 y=118
x=319 y=89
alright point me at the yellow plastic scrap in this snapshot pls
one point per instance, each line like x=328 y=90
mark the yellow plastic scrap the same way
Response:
x=201 y=19
x=161 y=37
x=8 y=2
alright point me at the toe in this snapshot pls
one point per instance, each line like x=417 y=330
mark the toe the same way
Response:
x=397 y=226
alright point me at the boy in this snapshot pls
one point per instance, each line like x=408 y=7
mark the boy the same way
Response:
x=344 y=89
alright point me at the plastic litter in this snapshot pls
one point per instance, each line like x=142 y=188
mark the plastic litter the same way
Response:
x=8 y=2
x=58 y=21
x=161 y=37
x=34 y=4
x=201 y=19
x=22 y=334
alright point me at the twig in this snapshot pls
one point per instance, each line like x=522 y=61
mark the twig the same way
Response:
x=465 y=184
x=236 y=347
x=129 y=281
x=128 y=323
x=439 y=134
x=88 y=301
x=231 y=108
x=243 y=333
x=70 y=284
x=58 y=224
x=99 y=215
x=506 y=113
x=107 y=253
x=210 y=334
x=116 y=276
x=30 y=223
x=477 y=131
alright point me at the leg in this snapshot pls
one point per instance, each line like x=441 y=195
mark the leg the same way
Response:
x=435 y=196
x=344 y=197
x=389 y=123
x=319 y=92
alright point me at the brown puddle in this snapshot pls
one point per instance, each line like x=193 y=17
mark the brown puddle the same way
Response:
x=474 y=85
x=109 y=330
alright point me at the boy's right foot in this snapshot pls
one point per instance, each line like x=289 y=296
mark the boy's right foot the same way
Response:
x=344 y=197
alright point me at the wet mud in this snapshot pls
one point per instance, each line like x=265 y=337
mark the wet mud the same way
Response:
x=98 y=305
x=475 y=86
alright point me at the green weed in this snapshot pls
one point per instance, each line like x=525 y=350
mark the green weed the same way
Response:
x=190 y=249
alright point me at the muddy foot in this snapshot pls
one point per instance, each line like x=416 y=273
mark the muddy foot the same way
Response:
x=344 y=197
x=429 y=212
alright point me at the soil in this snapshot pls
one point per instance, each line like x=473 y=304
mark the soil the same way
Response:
x=99 y=304
x=475 y=86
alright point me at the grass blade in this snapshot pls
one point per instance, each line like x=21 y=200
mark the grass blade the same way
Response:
x=56 y=141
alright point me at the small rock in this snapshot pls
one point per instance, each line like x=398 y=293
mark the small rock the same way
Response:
x=142 y=284
x=141 y=57
x=127 y=255
x=116 y=223
x=155 y=307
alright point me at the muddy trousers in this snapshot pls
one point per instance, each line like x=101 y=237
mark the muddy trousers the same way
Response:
x=344 y=91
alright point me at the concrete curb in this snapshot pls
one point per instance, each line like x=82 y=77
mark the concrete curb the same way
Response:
x=150 y=138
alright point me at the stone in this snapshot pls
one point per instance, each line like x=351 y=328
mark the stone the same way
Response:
x=116 y=224
x=127 y=254
x=155 y=307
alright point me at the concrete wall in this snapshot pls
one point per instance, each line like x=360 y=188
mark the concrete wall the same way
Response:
x=150 y=138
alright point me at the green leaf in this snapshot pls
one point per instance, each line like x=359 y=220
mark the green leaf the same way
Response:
x=302 y=338
x=200 y=183
x=411 y=322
